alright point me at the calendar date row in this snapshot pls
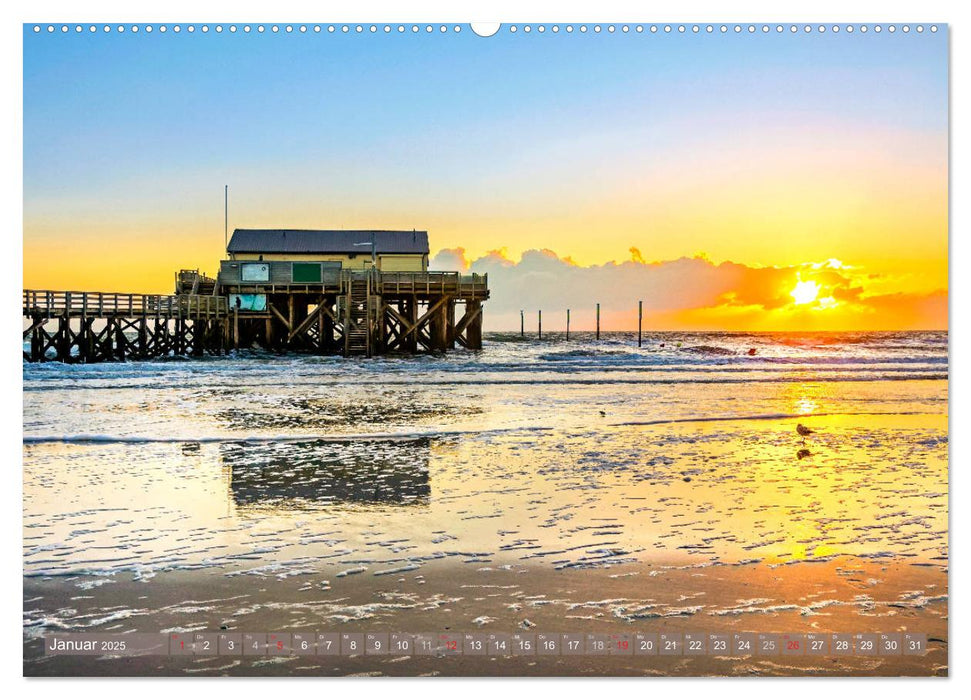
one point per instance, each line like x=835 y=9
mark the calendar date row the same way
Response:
x=445 y=644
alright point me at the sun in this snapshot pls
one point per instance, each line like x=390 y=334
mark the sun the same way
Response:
x=805 y=292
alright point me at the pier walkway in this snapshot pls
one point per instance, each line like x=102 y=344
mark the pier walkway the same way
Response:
x=72 y=326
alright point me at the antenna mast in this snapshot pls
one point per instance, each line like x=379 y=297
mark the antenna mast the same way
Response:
x=226 y=218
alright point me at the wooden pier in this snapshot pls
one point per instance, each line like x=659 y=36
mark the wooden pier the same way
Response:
x=107 y=327
x=360 y=313
x=363 y=313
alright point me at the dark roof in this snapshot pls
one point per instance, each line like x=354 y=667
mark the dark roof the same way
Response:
x=295 y=241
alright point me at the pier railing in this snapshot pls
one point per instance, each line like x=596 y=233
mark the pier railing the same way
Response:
x=427 y=284
x=473 y=285
x=51 y=304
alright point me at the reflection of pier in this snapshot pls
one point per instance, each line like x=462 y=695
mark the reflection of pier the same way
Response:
x=302 y=475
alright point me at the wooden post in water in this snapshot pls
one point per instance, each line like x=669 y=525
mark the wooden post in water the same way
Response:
x=64 y=332
x=640 y=318
x=411 y=342
x=322 y=339
x=268 y=335
x=522 y=323
x=540 y=324
x=291 y=315
x=36 y=354
x=119 y=340
x=200 y=332
x=440 y=331
x=63 y=344
x=473 y=332
x=598 y=321
x=451 y=324
x=567 y=324
x=143 y=337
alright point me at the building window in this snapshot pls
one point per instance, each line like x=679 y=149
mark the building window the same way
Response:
x=306 y=273
x=254 y=272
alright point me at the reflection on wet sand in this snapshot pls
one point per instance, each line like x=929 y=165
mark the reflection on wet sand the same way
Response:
x=363 y=406
x=308 y=475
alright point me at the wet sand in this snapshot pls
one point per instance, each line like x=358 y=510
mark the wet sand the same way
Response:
x=837 y=596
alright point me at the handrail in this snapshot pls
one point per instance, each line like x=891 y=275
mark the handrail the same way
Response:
x=59 y=303
x=409 y=280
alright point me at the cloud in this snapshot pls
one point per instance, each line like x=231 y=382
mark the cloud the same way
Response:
x=692 y=292
x=449 y=259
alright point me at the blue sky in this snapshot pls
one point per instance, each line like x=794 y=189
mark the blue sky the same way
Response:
x=102 y=109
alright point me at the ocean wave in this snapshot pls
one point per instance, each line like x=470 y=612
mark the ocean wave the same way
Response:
x=563 y=376
x=42 y=376
x=585 y=352
x=418 y=434
x=710 y=350
x=264 y=439
x=767 y=416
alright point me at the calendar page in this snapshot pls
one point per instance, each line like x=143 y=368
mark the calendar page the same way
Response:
x=514 y=349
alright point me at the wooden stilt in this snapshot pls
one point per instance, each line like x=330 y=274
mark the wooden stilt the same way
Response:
x=64 y=339
x=120 y=340
x=440 y=326
x=291 y=316
x=411 y=316
x=143 y=338
x=269 y=337
x=200 y=332
x=450 y=324
x=473 y=331
x=36 y=347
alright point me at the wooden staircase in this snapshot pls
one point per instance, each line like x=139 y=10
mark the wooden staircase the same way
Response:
x=357 y=336
x=194 y=282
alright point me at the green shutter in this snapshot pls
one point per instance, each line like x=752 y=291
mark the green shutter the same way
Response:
x=306 y=273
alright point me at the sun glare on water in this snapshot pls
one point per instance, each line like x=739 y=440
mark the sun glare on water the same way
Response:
x=805 y=292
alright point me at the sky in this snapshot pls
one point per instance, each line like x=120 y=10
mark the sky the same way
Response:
x=740 y=181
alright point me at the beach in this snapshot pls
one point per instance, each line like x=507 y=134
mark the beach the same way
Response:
x=551 y=486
